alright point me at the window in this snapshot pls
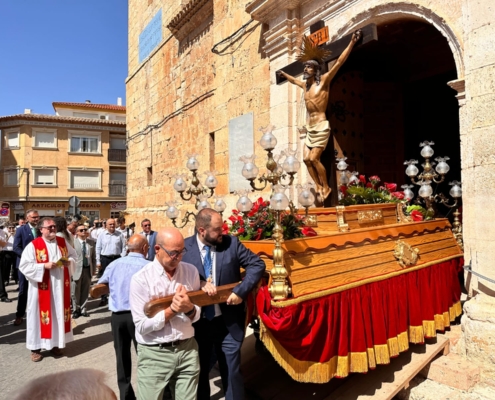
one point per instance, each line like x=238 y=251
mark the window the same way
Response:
x=117 y=143
x=44 y=176
x=82 y=144
x=45 y=139
x=85 y=115
x=118 y=118
x=11 y=177
x=85 y=180
x=12 y=140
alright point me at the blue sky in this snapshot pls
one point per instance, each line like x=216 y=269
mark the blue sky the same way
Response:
x=61 y=50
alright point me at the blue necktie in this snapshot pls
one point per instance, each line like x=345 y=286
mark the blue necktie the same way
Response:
x=209 y=311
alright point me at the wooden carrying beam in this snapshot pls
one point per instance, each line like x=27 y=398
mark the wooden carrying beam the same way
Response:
x=98 y=290
x=198 y=297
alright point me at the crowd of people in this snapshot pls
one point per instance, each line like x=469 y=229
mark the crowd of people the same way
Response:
x=56 y=261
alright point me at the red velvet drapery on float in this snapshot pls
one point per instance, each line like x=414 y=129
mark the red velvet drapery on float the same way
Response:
x=353 y=328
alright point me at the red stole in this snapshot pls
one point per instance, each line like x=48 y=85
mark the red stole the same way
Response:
x=44 y=296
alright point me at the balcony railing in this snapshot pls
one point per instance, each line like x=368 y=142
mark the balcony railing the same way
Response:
x=117 y=190
x=117 y=155
x=85 y=186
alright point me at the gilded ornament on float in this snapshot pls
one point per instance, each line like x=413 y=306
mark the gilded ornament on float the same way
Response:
x=405 y=254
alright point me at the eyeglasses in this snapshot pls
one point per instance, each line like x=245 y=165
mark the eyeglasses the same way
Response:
x=82 y=230
x=49 y=227
x=174 y=254
x=146 y=226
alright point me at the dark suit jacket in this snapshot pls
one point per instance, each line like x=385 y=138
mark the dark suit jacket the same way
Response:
x=23 y=236
x=231 y=255
x=151 y=242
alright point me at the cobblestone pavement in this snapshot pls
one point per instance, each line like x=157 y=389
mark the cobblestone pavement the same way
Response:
x=92 y=348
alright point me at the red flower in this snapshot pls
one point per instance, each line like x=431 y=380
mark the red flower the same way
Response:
x=369 y=185
x=375 y=178
x=258 y=235
x=391 y=187
x=343 y=189
x=233 y=219
x=308 y=231
x=235 y=212
x=362 y=179
x=241 y=230
x=416 y=215
x=398 y=195
x=225 y=228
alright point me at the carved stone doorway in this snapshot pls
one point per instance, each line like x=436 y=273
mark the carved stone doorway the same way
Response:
x=400 y=98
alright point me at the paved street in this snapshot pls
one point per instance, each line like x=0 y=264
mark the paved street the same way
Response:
x=92 y=348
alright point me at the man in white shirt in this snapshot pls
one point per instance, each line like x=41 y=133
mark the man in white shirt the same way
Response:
x=168 y=352
x=4 y=273
x=47 y=264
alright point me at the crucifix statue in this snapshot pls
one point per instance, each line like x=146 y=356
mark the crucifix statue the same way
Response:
x=316 y=88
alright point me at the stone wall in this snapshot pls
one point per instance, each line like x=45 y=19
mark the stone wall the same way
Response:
x=191 y=93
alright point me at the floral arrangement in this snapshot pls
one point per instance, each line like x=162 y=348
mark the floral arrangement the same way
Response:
x=371 y=191
x=418 y=213
x=258 y=224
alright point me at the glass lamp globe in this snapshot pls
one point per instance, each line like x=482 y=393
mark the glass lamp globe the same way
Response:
x=354 y=177
x=427 y=151
x=203 y=204
x=306 y=198
x=425 y=190
x=268 y=141
x=211 y=181
x=456 y=190
x=279 y=201
x=412 y=170
x=250 y=170
x=172 y=211
x=408 y=193
x=244 y=204
x=342 y=165
x=219 y=205
x=344 y=179
x=180 y=184
x=442 y=167
x=192 y=163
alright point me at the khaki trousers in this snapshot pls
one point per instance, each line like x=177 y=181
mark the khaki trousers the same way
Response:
x=176 y=366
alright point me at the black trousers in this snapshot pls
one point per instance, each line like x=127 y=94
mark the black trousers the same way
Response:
x=4 y=275
x=7 y=261
x=23 y=296
x=123 y=332
x=104 y=261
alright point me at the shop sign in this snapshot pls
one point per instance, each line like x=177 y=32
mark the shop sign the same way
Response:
x=89 y=205
x=5 y=209
x=18 y=206
x=118 y=206
x=48 y=205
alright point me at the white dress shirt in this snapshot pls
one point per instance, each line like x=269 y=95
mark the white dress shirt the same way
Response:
x=213 y=253
x=110 y=244
x=152 y=283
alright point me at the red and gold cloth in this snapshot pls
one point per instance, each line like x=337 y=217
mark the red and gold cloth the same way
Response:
x=354 y=329
x=44 y=288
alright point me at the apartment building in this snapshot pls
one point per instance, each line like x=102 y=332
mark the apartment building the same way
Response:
x=46 y=159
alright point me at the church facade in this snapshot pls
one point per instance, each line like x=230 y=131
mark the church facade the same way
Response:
x=202 y=80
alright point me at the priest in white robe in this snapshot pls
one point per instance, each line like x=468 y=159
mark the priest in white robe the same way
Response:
x=51 y=329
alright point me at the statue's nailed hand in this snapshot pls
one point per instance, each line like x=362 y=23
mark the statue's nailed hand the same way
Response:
x=356 y=36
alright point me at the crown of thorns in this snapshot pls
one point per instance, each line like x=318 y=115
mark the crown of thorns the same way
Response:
x=308 y=51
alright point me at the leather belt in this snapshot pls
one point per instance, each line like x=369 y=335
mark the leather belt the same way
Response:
x=175 y=343
x=111 y=257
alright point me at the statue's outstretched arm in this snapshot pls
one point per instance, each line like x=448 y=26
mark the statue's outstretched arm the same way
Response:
x=291 y=79
x=326 y=78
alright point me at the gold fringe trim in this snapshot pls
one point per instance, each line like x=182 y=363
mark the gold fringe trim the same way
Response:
x=382 y=355
x=429 y=329
x=359 y=362
x=403 y=340
x=323 y=293
x=416 y=334
x=343 y=366
x=393 y=347
x=439 y=322
x=446 y=319
x=455 y=311
x=371 y=358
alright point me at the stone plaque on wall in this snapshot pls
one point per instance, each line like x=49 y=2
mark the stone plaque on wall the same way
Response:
x=241 y=143
x=150 y=36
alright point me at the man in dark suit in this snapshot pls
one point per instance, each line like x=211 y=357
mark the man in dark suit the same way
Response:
x=150 y=237
x=24 y=235
x=84 y=269
x=219 y=259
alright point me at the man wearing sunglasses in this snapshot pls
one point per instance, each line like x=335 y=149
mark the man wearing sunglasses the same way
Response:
x=219 y=259
x=85 y=269
x=168 y=353
x=150 y=237
x=47 y=264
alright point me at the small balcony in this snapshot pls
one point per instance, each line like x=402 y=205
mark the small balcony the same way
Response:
x=116 y=155
x=117 y=190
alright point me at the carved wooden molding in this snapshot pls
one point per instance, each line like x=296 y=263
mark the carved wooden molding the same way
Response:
x=190 y=17
x=265 y=10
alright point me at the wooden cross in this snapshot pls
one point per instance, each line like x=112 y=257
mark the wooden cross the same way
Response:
x=369 y=33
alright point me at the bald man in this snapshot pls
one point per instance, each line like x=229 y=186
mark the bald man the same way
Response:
x=168 y=352
x=118 y=276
